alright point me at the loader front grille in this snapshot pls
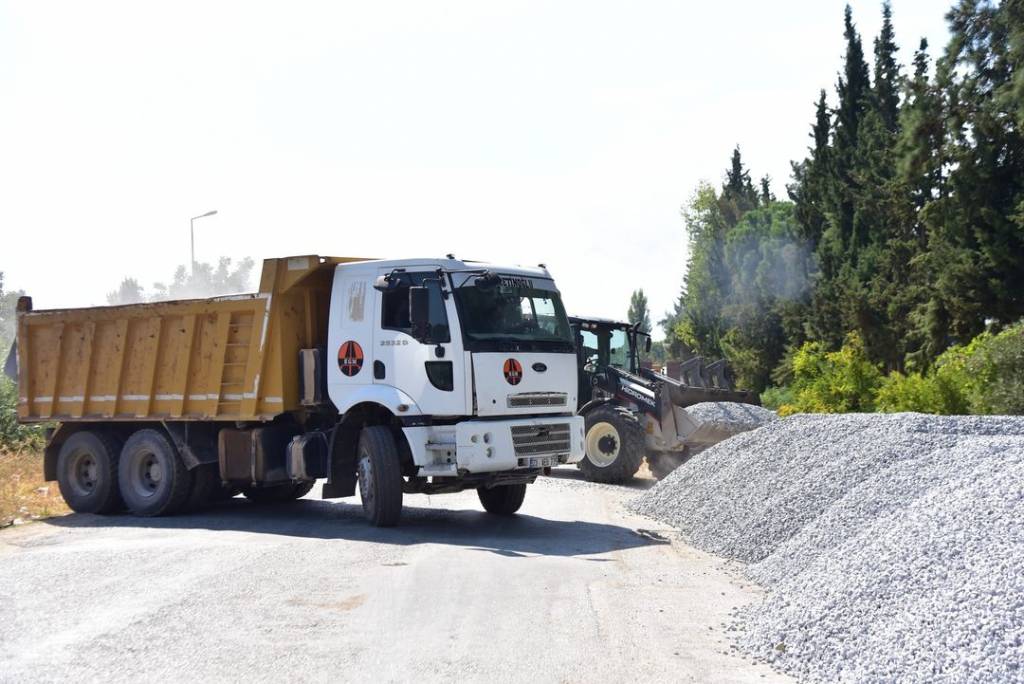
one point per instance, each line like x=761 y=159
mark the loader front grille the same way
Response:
x=534 y=440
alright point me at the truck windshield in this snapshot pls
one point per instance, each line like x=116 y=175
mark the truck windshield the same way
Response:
x=505 y=317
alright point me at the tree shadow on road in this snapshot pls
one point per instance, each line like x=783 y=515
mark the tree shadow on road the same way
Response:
x=513 y=536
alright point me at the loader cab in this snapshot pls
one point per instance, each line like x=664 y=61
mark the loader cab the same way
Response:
x=603 y=343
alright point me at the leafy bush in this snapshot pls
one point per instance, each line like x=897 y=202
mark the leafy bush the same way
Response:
x=934 y=393
x=985 y=376
x=775 y=398
x=12 y=435
x=993 y=371
x=833 y=382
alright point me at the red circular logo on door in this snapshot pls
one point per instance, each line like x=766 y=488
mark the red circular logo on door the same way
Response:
x=350 y=358
x=513 y=371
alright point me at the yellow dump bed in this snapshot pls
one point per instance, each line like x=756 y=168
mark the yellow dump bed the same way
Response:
x=227 y=358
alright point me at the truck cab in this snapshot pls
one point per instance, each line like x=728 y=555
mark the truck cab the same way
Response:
x=476 y=364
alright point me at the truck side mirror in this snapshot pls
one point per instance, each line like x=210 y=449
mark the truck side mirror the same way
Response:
x=383 y=283
x=647 y=346
x=419 y=312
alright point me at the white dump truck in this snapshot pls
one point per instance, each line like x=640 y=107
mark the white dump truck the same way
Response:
x=396 y=376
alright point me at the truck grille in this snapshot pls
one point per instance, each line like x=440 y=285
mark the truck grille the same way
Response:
x=532 y=440
x=537 y=399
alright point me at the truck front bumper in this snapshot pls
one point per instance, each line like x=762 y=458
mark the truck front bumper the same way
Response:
x=487 y=446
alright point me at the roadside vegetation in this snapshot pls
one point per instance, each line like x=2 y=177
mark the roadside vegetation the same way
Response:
x=985 y=376
x=24 y=495
x=892 y=275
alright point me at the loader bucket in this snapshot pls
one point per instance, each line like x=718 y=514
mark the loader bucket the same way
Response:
x=683 y=394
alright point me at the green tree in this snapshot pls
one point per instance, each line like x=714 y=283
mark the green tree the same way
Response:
x=8 y=302
x=128 y=292
x=887 y=73
x=639 y=311
x=975 y=223
x=205 y=280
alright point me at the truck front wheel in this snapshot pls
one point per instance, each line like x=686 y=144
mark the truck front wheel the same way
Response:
x=503 y=499
x=379 y=472
x=87 y=472
x=614 y=445
x=152 y=476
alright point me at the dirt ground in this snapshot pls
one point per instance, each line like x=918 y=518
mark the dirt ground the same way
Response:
x=24 y=495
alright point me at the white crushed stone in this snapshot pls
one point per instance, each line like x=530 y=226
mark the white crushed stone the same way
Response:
x=720 y=420
x=892 y=544
x=741 y=416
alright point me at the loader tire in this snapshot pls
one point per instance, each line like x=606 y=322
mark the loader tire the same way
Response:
x=87 y=472
x=614 y=443
x=278 y=493
x=503 y=499
x=152 y=477
x=379 y=473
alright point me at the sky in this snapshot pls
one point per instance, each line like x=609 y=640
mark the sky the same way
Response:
x=563 y=133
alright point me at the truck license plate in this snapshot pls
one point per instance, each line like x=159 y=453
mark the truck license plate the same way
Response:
x=542 y=462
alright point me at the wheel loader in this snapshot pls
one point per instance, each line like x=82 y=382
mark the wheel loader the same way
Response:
x=633 y=413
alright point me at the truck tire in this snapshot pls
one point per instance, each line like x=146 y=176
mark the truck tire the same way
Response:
x=614 y=442
x=379 y=473
x=503 y=499
x=278 y=493
x=87 y=472
x=152 y=476
x=205 y=483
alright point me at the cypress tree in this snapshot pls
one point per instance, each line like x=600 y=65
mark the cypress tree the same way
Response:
x=638 y=310
x=854 y=91
x=887 y=73
x=767 y=197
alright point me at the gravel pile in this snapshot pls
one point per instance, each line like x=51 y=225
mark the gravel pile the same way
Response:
x=741 y=416
x=892 y=544
x=720 y=420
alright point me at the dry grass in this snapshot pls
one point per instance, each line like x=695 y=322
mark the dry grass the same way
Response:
x=24 y=495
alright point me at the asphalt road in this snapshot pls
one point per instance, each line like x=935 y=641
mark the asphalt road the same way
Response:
x=573 y=589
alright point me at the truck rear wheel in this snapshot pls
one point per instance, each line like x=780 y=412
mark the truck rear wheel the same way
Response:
x=152 y=476
x=87 y=472
x=503 y=499
x=379 y=472
x=614 y=445
x=278 y=493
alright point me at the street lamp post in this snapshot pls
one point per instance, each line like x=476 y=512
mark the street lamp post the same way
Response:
x=192 y=233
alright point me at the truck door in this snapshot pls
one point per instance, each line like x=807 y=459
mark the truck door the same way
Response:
x=350 y=334
x=433 y=374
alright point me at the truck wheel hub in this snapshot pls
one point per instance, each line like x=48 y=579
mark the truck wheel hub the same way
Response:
x=85 y=474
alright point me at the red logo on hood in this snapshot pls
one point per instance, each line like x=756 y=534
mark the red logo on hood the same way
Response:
x=513 y=371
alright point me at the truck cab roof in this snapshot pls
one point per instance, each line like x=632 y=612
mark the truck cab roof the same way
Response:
x=455 y=265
